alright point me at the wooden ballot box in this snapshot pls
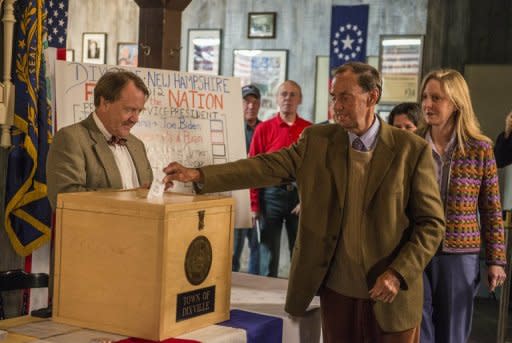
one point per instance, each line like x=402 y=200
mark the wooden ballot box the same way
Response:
x=151 y=269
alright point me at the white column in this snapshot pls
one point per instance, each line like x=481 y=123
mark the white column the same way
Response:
x=7 y=106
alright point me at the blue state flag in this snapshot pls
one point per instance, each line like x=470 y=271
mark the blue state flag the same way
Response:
x=27 y=210
x=349 y=27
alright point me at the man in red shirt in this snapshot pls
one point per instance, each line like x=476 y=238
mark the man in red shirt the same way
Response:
x=273 y=205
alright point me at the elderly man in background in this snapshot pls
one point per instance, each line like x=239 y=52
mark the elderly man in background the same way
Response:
x=277 y=204
x=251 y=105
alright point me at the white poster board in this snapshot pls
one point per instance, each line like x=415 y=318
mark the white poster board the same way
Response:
x=193 y=119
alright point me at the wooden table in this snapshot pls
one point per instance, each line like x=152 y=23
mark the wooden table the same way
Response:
x=248 y=292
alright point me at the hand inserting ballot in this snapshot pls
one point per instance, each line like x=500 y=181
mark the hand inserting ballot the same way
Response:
x=177 y=172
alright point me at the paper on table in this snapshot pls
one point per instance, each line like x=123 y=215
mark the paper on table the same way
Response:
x=43 y=329
x=86 y=336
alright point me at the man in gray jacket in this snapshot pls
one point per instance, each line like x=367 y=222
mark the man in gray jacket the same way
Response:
x=99 y=152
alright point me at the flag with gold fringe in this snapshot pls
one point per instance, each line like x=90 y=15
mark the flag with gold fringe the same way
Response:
x=27 y=210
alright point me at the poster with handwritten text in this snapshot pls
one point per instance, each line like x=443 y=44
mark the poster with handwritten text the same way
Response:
x=190 y=118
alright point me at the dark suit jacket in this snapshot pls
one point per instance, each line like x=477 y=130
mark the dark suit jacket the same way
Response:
x=405 y=219
x=503 y=150
x=80 y=160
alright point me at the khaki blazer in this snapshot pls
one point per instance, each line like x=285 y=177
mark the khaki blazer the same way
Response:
x=403 y=210
x=80 y=160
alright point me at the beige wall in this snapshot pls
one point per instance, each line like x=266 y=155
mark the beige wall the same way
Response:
x=490 y=87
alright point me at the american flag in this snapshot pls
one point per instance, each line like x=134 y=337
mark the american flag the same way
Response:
x=57 y=22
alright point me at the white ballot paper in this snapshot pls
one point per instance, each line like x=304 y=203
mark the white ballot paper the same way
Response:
x=156 y=191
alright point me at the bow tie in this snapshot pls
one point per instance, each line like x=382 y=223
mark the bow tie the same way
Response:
x=116 y=140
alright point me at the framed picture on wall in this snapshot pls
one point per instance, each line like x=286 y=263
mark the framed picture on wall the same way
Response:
x=204 y=51
x=400 y=65
x=322 y=89
x=94 y=47
x=127 y=54
x=262 y=25
x=70 y=55
x=266 y=69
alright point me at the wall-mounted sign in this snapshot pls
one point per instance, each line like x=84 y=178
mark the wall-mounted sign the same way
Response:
x=400 y=64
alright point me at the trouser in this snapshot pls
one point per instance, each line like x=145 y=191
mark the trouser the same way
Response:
x=276 y=204
x=254 y=249
x=351 y=320
x=450 y=284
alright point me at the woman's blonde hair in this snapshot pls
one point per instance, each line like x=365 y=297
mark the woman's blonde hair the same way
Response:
x=456 y=88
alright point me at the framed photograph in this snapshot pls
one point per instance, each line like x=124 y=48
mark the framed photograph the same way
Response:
x=262 y=25
x=322 y=89
x=127 y=54
x=70 y=55
x=266 y=69
x=400 y=65
x=94 y=47
x=204 y=50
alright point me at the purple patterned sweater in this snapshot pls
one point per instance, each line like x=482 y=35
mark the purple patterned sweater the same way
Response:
x=472 y=189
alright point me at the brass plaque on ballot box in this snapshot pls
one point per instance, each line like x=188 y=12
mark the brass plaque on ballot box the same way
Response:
x=151 y=269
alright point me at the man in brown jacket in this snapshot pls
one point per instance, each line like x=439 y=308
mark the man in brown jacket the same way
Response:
x=371 y=214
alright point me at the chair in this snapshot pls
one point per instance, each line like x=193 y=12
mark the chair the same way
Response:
x=17 y=279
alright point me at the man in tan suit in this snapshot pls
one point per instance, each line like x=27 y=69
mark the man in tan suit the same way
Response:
x=99 y=152
x=371 y=217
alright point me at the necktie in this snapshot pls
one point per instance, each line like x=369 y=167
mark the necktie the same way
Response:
x=116 y=140
x=357 y=144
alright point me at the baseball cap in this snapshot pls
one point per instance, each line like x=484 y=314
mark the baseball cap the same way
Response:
x=251 y=90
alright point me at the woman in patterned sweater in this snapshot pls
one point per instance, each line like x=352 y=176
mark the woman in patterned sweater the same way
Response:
x=468 y=181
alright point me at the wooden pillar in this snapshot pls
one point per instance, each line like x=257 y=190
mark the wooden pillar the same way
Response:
x=491 y=32
x=446 y=41
x=461 y=32
x=6 y=86
x=160 y=33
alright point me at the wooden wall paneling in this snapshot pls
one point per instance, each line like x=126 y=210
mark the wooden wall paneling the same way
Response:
x=150 y=37
x=160 y=29
x=171 y=40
